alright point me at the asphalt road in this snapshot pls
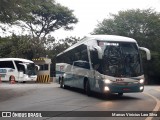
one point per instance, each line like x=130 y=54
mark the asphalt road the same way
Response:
x=50 y=97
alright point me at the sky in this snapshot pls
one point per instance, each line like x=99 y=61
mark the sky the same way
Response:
x=91 y=12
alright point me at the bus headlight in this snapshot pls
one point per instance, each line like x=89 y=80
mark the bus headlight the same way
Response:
x=107 y=81
x=141 y=88
x=141 y=81
x=106 y=88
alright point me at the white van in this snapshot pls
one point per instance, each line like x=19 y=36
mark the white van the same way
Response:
x=21 y=69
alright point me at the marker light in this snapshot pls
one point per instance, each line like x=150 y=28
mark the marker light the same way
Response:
x=107 y=81
x=141 y=81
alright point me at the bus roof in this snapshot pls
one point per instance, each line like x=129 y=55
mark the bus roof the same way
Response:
x=113 y=38
x=60 y=64
x=18 y=59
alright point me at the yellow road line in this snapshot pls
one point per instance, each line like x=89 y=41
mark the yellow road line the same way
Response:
x=157 y=107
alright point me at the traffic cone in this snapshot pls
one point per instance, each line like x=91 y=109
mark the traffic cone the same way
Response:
x=12 y=79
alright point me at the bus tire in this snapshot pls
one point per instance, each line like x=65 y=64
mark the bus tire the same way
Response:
x=59 y=79
x=120 y=94
x=62 y=83
x=87 y=88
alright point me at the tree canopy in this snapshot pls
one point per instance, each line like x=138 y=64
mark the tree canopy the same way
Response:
x=9 y=10
x=41 y=17
x=142 y=25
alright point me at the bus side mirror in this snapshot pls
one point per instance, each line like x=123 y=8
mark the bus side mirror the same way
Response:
x=38 y=67
x=100 y=52
x=147 y=52
x=21 y=74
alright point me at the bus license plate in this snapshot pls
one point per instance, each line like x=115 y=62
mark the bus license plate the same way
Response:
x=126 y=89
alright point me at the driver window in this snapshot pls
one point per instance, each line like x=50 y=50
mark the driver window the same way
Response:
x=95 y=60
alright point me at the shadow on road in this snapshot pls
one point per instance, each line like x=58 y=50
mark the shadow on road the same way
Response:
x=104 y=96
x=28 y=82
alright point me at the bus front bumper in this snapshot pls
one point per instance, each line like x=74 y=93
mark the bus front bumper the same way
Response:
x=31 y=78
x=123 y=88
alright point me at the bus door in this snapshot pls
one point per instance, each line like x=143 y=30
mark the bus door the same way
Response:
x=22 y=71
x=96 y=65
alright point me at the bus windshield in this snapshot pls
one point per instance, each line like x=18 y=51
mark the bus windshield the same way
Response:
x=121 y=59
x=31 y=69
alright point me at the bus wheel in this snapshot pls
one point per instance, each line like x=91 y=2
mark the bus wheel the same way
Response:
x=120 y=94
x=59 y=79
x=87 y=88
x=62 y=83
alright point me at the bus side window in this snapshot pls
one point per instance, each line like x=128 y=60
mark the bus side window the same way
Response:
x=7 y=64
x=82 y=64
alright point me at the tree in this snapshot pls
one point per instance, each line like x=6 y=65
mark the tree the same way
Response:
x=60 y=45
x=47 y=17
x=39 y=16
x=142 y=25
x=9 y=10
x=21 y=47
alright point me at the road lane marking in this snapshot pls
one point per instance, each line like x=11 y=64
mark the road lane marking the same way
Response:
x=157 y=107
